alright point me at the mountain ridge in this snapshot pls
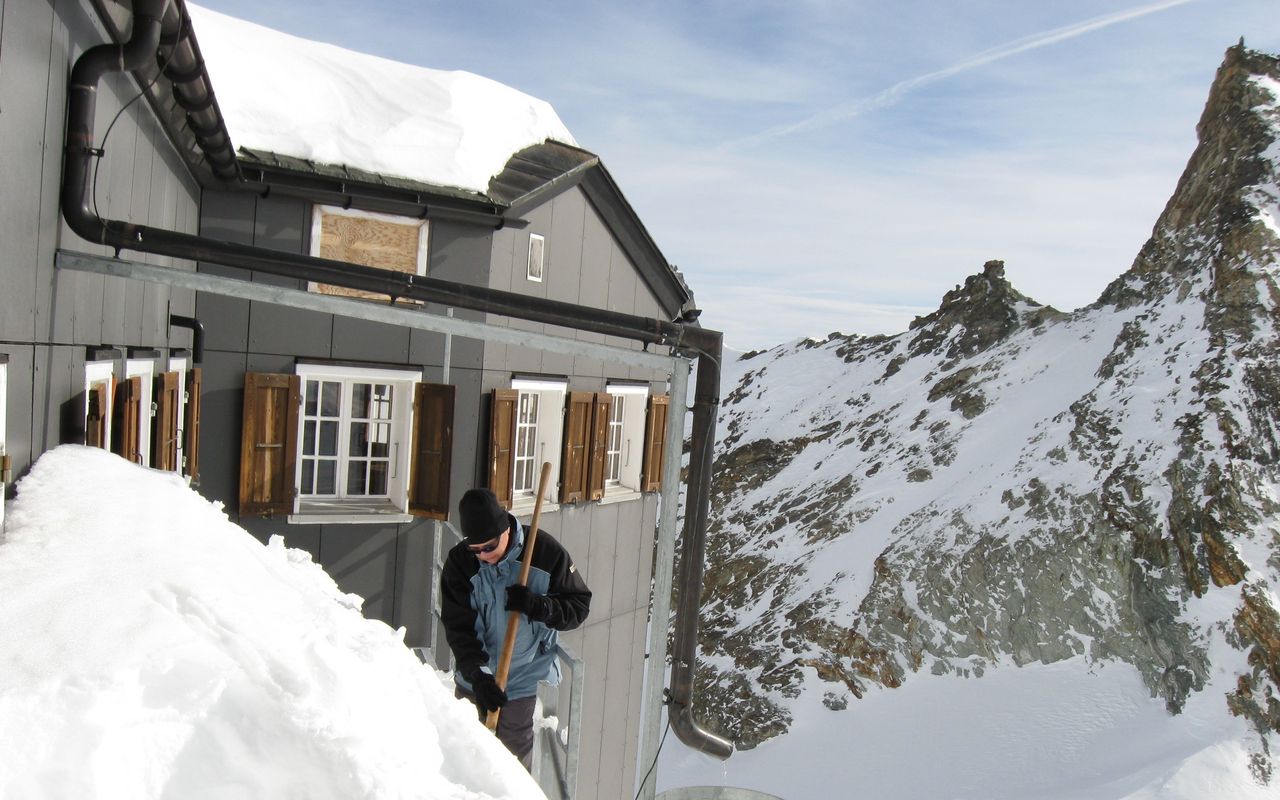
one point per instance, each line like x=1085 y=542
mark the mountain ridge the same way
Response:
x=1005 y=483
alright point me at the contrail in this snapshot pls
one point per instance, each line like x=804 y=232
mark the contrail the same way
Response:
x=895 y=92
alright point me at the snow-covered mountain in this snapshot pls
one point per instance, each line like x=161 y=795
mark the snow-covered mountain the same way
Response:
x=1006 y=484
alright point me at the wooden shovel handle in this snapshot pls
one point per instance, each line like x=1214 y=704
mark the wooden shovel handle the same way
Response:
x=513 y=620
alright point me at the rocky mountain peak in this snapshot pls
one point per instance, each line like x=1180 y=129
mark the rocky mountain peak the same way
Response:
x=1212 y=219
x=976 y=316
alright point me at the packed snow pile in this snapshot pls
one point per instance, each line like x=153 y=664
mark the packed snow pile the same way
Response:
x=152 y=649
x=323 y=103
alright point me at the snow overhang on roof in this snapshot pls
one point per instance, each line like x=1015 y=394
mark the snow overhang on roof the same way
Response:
x=328 y=105
x=354 y=129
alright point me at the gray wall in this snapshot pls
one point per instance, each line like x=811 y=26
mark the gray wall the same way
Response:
x=47 y=317
x=612 y=543
x=390 y=565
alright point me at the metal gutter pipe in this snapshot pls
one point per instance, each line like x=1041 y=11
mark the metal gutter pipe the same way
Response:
x=688 y=339
x=197 y=334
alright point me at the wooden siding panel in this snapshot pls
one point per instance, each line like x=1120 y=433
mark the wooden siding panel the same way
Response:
x=655 y=442
x=191 y=432
x=164 y=436
x=577 y=438
x=502 y=437
x=599 y=444
x=432 y=456
x=269 y=439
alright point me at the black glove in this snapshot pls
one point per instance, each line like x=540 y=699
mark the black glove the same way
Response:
x=488 y=696
x=534 y=606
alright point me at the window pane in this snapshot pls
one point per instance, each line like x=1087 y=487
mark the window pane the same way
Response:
x=360 y=400
x=380 y=446
x=378 y=477
x=330 y=399
x=308 y=477
x=356 y=478
x=312 y=397
x=328 y=438
x=309 y=438
x=380 y=403
x=359 y=445
x=326 y=477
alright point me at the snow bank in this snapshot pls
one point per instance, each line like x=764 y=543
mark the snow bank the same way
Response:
x=323 y=103
x=151 y=649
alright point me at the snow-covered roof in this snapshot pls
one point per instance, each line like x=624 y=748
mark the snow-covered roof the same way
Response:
x=318 y=102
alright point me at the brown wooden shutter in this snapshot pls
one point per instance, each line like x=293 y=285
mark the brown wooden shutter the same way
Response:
x=164 y=430
x=655 y=443
x=126 y=424
x=601 y=406
x=432 y=450
x=95 y=418
x=577 y=439
x=268 y=443
x=502 y=438
x=191 y=433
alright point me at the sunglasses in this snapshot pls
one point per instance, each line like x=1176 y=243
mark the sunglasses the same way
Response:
x=486 y=548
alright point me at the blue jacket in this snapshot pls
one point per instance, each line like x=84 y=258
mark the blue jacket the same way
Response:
x=473 y=595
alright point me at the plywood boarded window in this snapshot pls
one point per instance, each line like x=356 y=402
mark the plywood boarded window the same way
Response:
x=655 y=442
x=382 y=241
x=165 y=431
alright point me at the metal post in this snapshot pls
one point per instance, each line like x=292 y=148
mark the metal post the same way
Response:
x=663 y=577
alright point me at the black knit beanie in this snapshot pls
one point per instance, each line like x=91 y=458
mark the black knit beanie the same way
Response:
x=480 y=516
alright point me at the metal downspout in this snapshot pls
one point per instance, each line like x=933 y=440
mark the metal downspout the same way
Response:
x=688 y=339
x=706 y=403
x=197 y=334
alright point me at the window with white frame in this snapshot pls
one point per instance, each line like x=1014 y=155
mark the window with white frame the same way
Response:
x=336 y=443
x=526 y=430
x=537 y=256
x=624 y=449
x=354 y=424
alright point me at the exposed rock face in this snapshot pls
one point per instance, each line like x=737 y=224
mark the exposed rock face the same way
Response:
x=1007 y=484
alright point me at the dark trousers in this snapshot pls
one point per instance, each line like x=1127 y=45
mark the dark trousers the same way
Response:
x=515 y=725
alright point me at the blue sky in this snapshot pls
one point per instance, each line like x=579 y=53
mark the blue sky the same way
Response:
x=822 y=165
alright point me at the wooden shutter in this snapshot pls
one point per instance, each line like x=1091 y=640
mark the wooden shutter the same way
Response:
x=502 y=438
x=577 y=439
x=126 y=425
x=164 y=430
x=268 y=444
x=655 y=443
x=95 y=418
x=191 y=431
x=601 y=406
x=432 y=450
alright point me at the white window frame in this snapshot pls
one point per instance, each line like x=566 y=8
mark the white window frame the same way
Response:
x=536 y=269
x=318 y=213
x=144 y=368
x=633 y=401
x=394 y=507
x=97 y=372
x=548 y=439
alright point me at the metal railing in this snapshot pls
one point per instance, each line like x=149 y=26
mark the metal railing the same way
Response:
x=555 y=766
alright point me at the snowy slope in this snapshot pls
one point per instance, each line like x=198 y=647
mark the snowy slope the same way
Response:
x=153 y=649
x=1006 y=486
